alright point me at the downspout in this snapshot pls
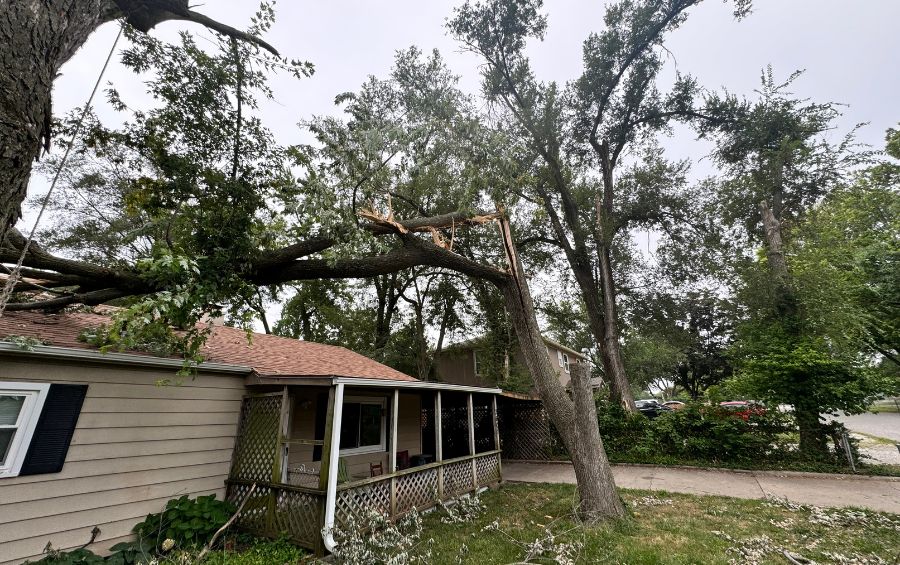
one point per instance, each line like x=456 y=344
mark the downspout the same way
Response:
x=333 y=456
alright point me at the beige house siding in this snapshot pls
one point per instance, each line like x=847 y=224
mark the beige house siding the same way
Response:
x=136 y=446
x=457 y=366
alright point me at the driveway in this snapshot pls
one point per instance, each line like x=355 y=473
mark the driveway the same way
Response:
x=883 y=424
x=818 y=489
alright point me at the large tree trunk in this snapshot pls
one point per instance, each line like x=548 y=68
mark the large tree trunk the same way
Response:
x=36 y=38
x=806 y=413
x=613 y=364
x=575 y=421
x=610 y=351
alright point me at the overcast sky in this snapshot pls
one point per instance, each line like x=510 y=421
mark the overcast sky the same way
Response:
x=849 y=50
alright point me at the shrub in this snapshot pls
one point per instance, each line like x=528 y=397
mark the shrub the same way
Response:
x=696 y=432
x=187 y=522
x=620 y=431
x=261 y=552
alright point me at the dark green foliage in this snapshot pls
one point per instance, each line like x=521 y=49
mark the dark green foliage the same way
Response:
x=696 y=432
x=76 y=557
x=189 y=522
x=124 y=553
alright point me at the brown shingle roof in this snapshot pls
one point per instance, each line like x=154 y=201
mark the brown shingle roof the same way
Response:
x=268 y=355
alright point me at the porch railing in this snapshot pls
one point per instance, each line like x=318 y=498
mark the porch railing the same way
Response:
x=420 y=487
x=278 y=509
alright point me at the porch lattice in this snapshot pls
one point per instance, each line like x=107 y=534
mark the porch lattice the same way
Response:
x=527 y=433
x=298 y=510
x=257 y=439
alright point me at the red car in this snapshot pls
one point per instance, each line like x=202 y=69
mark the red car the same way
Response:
x=743 y=409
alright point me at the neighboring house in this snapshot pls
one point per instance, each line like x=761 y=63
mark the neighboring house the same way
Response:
x=90 y=439
x=463 y=363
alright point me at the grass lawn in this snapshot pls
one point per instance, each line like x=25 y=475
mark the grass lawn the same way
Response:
x=665 y=528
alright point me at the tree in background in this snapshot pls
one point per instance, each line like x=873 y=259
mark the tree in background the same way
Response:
x=575 y=140
x=800 y=341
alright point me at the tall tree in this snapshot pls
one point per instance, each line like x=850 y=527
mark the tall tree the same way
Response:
x=411 y=136
x=779 y=164
x=577 y=138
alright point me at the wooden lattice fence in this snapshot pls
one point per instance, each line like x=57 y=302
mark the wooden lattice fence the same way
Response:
x=526 y=432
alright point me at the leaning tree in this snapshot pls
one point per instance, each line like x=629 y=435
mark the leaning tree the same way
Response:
x=206 y=209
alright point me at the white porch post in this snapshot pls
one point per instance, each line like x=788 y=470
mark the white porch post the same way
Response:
x=333 y=456
x=496 y=421
x=495 y=417
x=395 y=409
x=395 y=406
x=438 y=442
x=471 y=413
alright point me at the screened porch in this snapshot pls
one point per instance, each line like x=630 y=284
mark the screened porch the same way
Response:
x=322 y=452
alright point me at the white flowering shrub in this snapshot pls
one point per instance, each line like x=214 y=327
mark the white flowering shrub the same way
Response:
x=464 y=509
x=377 y=540
x=651 y=500
x=549 y=547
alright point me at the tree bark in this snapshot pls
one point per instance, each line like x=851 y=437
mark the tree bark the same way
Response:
x=597 y=500
x=806 y=414
x=575 y=421
x=611 y=352
x=36 y=38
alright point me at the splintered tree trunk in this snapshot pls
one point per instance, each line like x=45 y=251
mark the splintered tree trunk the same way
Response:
x=36 y=38
x=576 y=421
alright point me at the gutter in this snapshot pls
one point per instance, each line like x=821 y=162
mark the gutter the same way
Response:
x=333 y=455
x=114 y=358
x=416 y=385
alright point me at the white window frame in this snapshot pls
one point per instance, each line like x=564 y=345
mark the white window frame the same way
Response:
x=475 y=363
x=35 y=394
x=376 y=448
x=565 y=357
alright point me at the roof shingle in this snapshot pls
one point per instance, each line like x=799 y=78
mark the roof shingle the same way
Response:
x=267 y=355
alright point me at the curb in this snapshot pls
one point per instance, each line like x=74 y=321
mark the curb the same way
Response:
x=763 y=473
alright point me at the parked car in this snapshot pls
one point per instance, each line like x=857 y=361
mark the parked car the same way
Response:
x=651 y=408
x=674 y=404
x=743 y=408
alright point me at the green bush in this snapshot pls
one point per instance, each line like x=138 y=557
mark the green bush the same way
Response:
x=75 y=557
x=696 y=432
x=620 y=431
x=260 y=552
x=188 y=522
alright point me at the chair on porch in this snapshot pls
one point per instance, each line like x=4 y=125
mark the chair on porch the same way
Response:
x=376 y=469
x=403 y=459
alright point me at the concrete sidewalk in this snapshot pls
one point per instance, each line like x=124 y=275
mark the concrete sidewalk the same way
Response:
x=818 y=489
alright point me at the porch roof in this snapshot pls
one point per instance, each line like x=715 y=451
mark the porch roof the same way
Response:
x=226 y=349
x=368 y=383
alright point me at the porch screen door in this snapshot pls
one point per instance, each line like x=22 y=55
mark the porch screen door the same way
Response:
x=257 y=450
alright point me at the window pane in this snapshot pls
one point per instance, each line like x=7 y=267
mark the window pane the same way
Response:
x=350 y=426
x=370 y=425
x=6 y=437
x=10 y=406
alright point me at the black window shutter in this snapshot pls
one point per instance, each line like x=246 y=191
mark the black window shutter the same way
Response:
x=321 y=410
x=54 y=430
